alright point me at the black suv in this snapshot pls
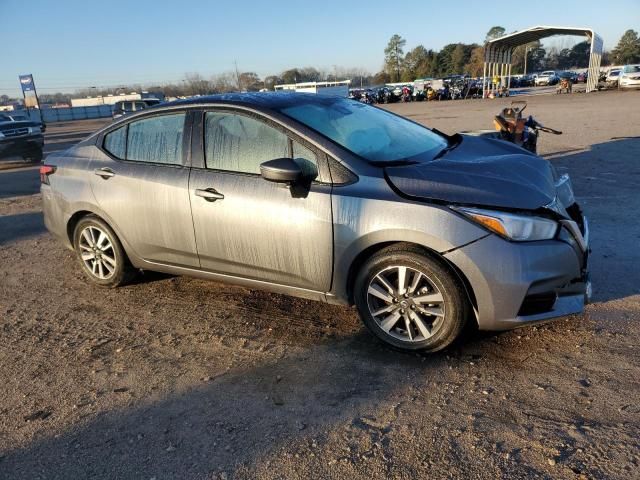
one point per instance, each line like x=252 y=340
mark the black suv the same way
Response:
x=21 y=138
x=124 y=107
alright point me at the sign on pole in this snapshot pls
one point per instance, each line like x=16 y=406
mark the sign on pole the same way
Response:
x=29 y=91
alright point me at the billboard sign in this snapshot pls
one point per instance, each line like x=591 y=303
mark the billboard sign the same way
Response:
x=26 y=83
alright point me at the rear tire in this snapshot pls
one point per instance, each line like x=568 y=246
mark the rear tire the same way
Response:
x=100 y=253
x=417 y=303
x=35 y=155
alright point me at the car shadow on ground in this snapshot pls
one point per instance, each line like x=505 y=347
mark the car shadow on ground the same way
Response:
x=605 y=180
x=147 y=276
x=195 y=433
x=20 y=226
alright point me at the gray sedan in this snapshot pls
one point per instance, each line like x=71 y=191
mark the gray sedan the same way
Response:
x=327 y=199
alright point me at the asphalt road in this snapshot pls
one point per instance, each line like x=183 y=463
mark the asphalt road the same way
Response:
x=19 y=181
x=174 y=377
x=62 y=135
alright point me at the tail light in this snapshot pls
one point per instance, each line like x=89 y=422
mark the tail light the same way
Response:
x=45 y=171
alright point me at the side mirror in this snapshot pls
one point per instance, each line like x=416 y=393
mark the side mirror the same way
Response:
x=281 y=170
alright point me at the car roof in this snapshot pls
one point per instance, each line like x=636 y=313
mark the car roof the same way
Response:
x=262 y=100
x=259 y=101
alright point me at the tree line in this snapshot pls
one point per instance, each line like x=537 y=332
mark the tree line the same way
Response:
x=398 y=66
x=462 y=58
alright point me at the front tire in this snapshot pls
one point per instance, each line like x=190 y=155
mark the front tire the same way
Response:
x=35 y=155
x=410 y=300
x=100 y=253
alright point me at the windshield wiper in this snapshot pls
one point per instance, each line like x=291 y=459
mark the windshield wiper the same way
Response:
x=454 y=141
x=392 y=163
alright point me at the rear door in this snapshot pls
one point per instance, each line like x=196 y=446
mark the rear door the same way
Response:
x=141 y=182
x=252 y=228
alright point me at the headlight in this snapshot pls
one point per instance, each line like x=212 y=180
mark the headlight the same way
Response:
x=1 y=135
x=35 y=130
x=519 y=228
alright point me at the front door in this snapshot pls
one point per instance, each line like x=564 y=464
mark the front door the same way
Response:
x=141 y=182
x=248 y=227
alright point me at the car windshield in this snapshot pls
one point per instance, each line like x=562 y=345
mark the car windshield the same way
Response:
x=370 y=132
x=632 y=69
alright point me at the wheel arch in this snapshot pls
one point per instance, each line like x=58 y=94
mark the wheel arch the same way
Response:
x=81 y=213
x=371 y=250
x=73 y=221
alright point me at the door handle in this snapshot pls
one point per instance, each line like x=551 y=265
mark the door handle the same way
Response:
x=209 y=194
x=104 y=172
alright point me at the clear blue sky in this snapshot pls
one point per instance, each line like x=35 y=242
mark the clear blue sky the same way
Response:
x=69 y=44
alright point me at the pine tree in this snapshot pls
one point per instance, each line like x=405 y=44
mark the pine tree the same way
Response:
x=628 y=48
x=393 y=56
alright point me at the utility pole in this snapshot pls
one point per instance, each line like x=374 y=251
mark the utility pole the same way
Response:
x=526 y=54
x=237 y=76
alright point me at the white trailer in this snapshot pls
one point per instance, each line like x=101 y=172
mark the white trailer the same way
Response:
x=108 y=100
x=340 y=88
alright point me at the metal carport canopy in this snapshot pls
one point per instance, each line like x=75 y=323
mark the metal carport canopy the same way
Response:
x=497 y=54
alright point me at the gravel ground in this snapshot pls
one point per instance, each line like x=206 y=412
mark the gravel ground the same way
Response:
x=173 y=377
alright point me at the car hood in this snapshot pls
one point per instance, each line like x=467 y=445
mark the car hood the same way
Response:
x=10 y=125
x=480 y=172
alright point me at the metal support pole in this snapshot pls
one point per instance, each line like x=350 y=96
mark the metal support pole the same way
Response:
x=484 y=74
x=509 y=71
x=500 y=71
x=494 y=74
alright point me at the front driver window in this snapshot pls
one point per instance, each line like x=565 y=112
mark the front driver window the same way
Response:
x=239 y=143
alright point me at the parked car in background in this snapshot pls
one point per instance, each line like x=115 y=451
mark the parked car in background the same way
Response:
x=329 y=199
x=20 y=137
x=548 y=77
x=385 y=95
x=125 y=107
x=613 y=76
x=526 y=81
x=582 y=77
x=630 y=76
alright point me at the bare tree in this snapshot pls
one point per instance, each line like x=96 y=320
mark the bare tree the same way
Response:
x=195 y=84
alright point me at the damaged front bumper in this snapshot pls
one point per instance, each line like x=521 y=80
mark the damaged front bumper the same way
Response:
x=532 y=281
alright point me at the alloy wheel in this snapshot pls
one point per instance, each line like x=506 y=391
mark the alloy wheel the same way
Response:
x=405 y=303
x=97 y=252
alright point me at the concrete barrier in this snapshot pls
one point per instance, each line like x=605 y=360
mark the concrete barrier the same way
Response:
x=74 y=113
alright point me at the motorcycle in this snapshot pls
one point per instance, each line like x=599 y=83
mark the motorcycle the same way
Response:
x=565 y=85
x=367 y=97
x=513 y=127
x=406 y=94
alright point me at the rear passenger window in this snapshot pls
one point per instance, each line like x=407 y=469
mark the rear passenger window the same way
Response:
x=116 y=142
x=238 y=143
x=156 y=139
